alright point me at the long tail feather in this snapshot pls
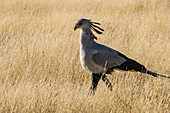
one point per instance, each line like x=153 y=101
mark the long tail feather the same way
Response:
x=155 y=74
x=133 y=65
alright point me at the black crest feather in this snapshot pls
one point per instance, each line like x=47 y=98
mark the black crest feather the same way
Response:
x=97 y=27
x=97 y=31
x=95 y=23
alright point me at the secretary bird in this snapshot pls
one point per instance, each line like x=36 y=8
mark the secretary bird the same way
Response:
x=101 y=60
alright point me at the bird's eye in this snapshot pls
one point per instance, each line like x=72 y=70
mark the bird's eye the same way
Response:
x=80 y=23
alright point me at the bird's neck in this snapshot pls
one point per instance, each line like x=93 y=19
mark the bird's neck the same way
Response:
x=86 y=39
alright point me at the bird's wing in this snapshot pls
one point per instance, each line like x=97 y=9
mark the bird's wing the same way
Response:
x=107 y=57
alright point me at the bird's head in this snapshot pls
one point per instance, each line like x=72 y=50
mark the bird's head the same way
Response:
x=86 y=23
x=82 y=23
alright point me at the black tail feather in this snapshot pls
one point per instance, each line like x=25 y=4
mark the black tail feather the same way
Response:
x=155 y=74
x=133 y=65
x=152 y=73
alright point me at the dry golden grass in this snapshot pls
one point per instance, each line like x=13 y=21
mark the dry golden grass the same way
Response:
x=40 y=69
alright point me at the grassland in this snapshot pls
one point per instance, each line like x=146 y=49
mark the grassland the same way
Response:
x=40 y=69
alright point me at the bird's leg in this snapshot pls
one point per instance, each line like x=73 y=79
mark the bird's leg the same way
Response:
x=95 y=81
x=106 y=80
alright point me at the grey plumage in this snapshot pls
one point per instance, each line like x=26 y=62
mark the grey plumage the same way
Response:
x=107 y=57
x=99 y=59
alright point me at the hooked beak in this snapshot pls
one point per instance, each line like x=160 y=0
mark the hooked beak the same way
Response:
x=75 y=28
